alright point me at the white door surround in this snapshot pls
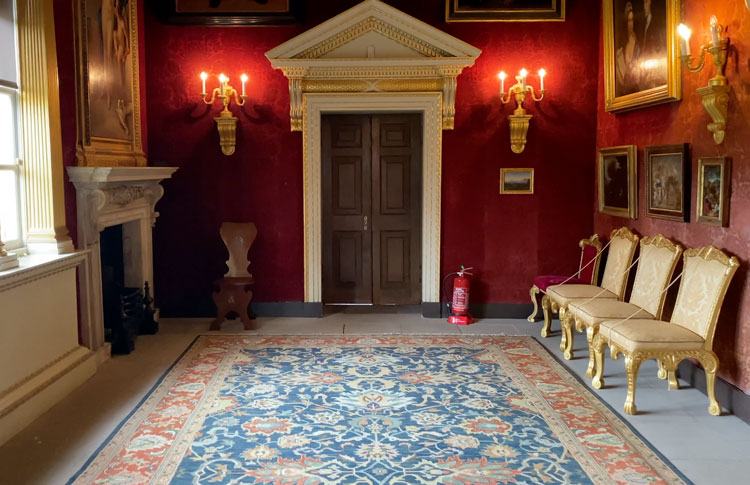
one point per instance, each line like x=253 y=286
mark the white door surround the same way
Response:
x=373 y=58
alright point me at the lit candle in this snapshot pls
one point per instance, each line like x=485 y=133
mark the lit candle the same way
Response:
x=684 y=32
x=502 y=77
x=222 y=82
x=715 y=31
x=523 y=74
x=244 y=80
x=542 y=73
x=204 y=76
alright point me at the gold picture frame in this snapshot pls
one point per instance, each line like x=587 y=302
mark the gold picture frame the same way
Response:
x=668 y=181
x=504 y=11
x=516 y=180
x=617 y=175
x=641 y=60
x=107 y=84
x=714 y=179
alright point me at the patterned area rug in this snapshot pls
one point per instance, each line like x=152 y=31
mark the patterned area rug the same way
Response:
x=368 y=410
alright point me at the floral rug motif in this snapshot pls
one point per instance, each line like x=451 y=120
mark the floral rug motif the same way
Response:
x=368 y=410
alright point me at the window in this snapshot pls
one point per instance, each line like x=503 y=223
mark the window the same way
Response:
x=11 y=223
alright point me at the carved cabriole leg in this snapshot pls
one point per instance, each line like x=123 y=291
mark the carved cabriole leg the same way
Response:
x=533 y=292
x=547 y=310
x=632 y=364
x=672 y=380
x=591 y=332
x=710 y=364
x=598 y=347
x=567 y=321
x=662 y=370
x=667 y=368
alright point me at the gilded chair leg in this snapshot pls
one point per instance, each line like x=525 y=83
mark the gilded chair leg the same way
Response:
x=632 y=364
x=591 y=332
x=672 y=380
x=566 y=345
x=662 y=370
x=533 y=292
x=598 y=348
x=547 y=310
x=710 y=364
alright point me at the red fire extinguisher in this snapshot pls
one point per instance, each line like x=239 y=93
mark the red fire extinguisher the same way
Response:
x=459 y=306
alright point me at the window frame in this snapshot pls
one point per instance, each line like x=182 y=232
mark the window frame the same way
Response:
x=16 y=245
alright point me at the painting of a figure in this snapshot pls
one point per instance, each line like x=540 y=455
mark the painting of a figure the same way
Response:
x=617 y=181
x=713 y=190
x=110 y=69
x=640 y=53
x=504 y=10
x=668 y=182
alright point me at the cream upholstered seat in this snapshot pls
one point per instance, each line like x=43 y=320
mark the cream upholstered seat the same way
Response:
x=656 y=264
x=689 y=333
x=621 y=250
x=587 y=274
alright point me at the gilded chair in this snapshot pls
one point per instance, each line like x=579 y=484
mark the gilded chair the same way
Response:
x=658 y=259
x=706 y=275
x=588 y=270
x=620 y=256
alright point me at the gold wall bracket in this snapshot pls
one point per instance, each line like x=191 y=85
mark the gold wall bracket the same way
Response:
x=227 y=126
x=716 y=102
x=519 y=127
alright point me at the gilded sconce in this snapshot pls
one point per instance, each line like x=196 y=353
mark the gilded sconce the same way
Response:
x=519 y=120
x=716 y=94
x=225 y=122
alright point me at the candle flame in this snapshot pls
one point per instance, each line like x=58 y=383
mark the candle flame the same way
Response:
x=684 y=31
x=244 y=78
x=714 y=21
x=204 y=76
x=524 y=73
x=542 y=72
x=223 y=78
x=502 y=75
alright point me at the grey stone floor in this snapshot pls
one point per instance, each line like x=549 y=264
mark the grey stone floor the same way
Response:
x=707 y=449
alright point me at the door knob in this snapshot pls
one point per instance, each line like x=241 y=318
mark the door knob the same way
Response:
x=365 y=223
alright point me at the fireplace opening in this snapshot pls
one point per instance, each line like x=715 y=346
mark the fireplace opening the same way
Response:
x=126 y=310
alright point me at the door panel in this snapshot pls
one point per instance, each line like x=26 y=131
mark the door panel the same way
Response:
x=371 y=212
x=397 y=206
x=347 y=200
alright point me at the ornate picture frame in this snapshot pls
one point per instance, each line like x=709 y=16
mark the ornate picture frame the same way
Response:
x=668 y=182
x=617 y=175
x=230 y=12
x=107 y=84
x=504 y=10
x=641 y=59
x=712 y=200
x=516 y=180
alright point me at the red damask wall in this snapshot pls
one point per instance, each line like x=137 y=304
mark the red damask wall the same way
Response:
x=686 y=121
x=509 y=239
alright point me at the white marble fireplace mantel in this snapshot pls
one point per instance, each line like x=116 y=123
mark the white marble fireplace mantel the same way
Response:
x=108 y=196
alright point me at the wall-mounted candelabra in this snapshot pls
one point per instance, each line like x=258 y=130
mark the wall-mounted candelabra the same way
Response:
x=225 y=122
x=716 y=94
x=519 y=120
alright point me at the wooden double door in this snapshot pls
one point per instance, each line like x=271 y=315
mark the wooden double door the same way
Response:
x=372 y=208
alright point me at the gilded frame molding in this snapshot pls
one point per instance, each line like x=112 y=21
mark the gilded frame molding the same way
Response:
x=453 y=13
x=504 y=171
x=101 y=151
x=671 y=91
x=725 y=163
x=631 y=152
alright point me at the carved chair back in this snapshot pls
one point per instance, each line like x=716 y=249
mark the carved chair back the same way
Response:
x=659 y=257
x=706 y=275
x=590 y=250
x=238 y=237
x=621 y=251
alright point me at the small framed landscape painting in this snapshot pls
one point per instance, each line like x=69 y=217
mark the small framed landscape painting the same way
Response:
x=504 y=10
x=618 y=181
x=668 y=182
x=713 y=190
x=641 y=59
x=516 y=180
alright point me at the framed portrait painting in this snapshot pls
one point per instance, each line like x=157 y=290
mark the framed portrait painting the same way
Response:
x=516 y=180
x=641 y=59
x=230 y=12
x=618 y=181
x=713 y=190
x=668 y=182
x=504 y=10
x=107 y=84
